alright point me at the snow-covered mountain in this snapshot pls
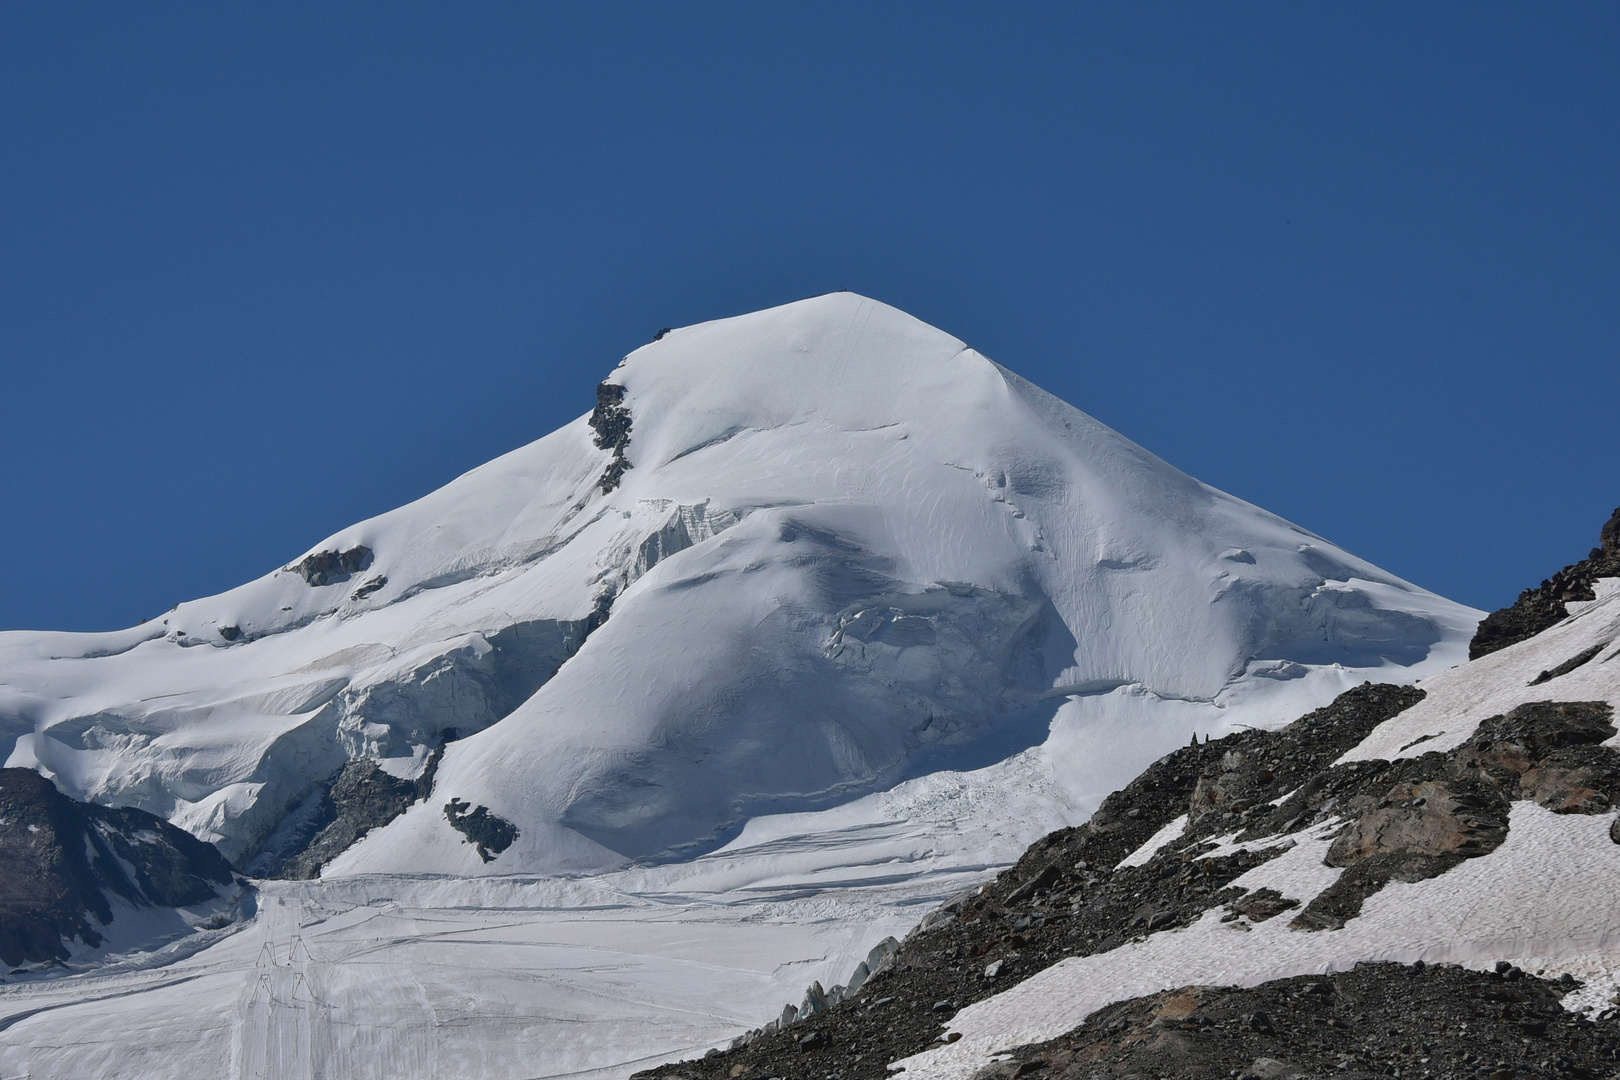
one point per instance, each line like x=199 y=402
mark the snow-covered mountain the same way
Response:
x=818 y=617
x=790 y=560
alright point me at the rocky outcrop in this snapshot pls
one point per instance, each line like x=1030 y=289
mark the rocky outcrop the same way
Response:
x=362 y=798
x=1414 y=821
x=369 y=586
x=817 y=1001
x=491 y=834
x=329 y=567
x=1544 y=606
x=64 y=865
x=1375 y=1020
x=610 y=421
x=1416 y=818
x=1585 y=656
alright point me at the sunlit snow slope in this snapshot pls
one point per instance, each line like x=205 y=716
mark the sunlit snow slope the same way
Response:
x=847 y=551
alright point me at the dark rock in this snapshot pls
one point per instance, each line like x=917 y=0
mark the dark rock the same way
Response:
x=492 y=834
x=610 y=421
x=370 y=586
x=361 y=799
x=1371 y=1021
x=1418 y=817
x=330 y=567
x=1548 y=752
x=1260 y=905
x=1609 y=538
x=1582 y=657
x=1542 y=607
x=63 y=861
x=230 y=633
x=1044 y=880
x=1259 y=1023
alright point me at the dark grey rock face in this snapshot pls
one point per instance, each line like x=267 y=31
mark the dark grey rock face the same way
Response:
x=1585 y=656
x=1422 y=1020
x=62 y=862
x=362 y=798
x=368 y=587
x=610 y=420
x=1544 y=606
x=328 y=567
x=492 y=834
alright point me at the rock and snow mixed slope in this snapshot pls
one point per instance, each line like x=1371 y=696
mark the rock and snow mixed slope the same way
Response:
x=791 y=560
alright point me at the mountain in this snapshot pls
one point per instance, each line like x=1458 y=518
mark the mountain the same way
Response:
x=790 y=560
x=1412 y=881
x=93 y=881
x=574 y=765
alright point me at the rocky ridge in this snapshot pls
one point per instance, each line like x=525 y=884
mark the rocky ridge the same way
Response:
x=362 y=798
x=1545 y=605
x=610 y=426
x=68 y=865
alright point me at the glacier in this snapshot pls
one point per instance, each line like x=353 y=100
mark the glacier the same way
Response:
x=819 y=615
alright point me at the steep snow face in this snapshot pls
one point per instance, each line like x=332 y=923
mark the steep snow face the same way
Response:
x=794 y=558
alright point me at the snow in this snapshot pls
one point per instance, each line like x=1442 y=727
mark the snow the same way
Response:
x=881 y=614
x=1495 y=684
x=410 y=976
x=1155 y=843
x=1544 y=900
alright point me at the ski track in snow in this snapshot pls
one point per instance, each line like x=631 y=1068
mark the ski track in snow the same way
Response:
x=419 y=978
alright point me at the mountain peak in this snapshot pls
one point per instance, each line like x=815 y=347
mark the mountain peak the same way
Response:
x=790 y=559
x=839 y=359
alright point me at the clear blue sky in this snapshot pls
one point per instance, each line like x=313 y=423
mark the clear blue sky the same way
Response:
x=269 y=269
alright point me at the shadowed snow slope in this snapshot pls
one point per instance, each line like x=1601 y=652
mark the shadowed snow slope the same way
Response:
x=837 y=551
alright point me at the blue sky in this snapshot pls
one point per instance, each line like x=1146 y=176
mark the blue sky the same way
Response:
x=267 y=270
